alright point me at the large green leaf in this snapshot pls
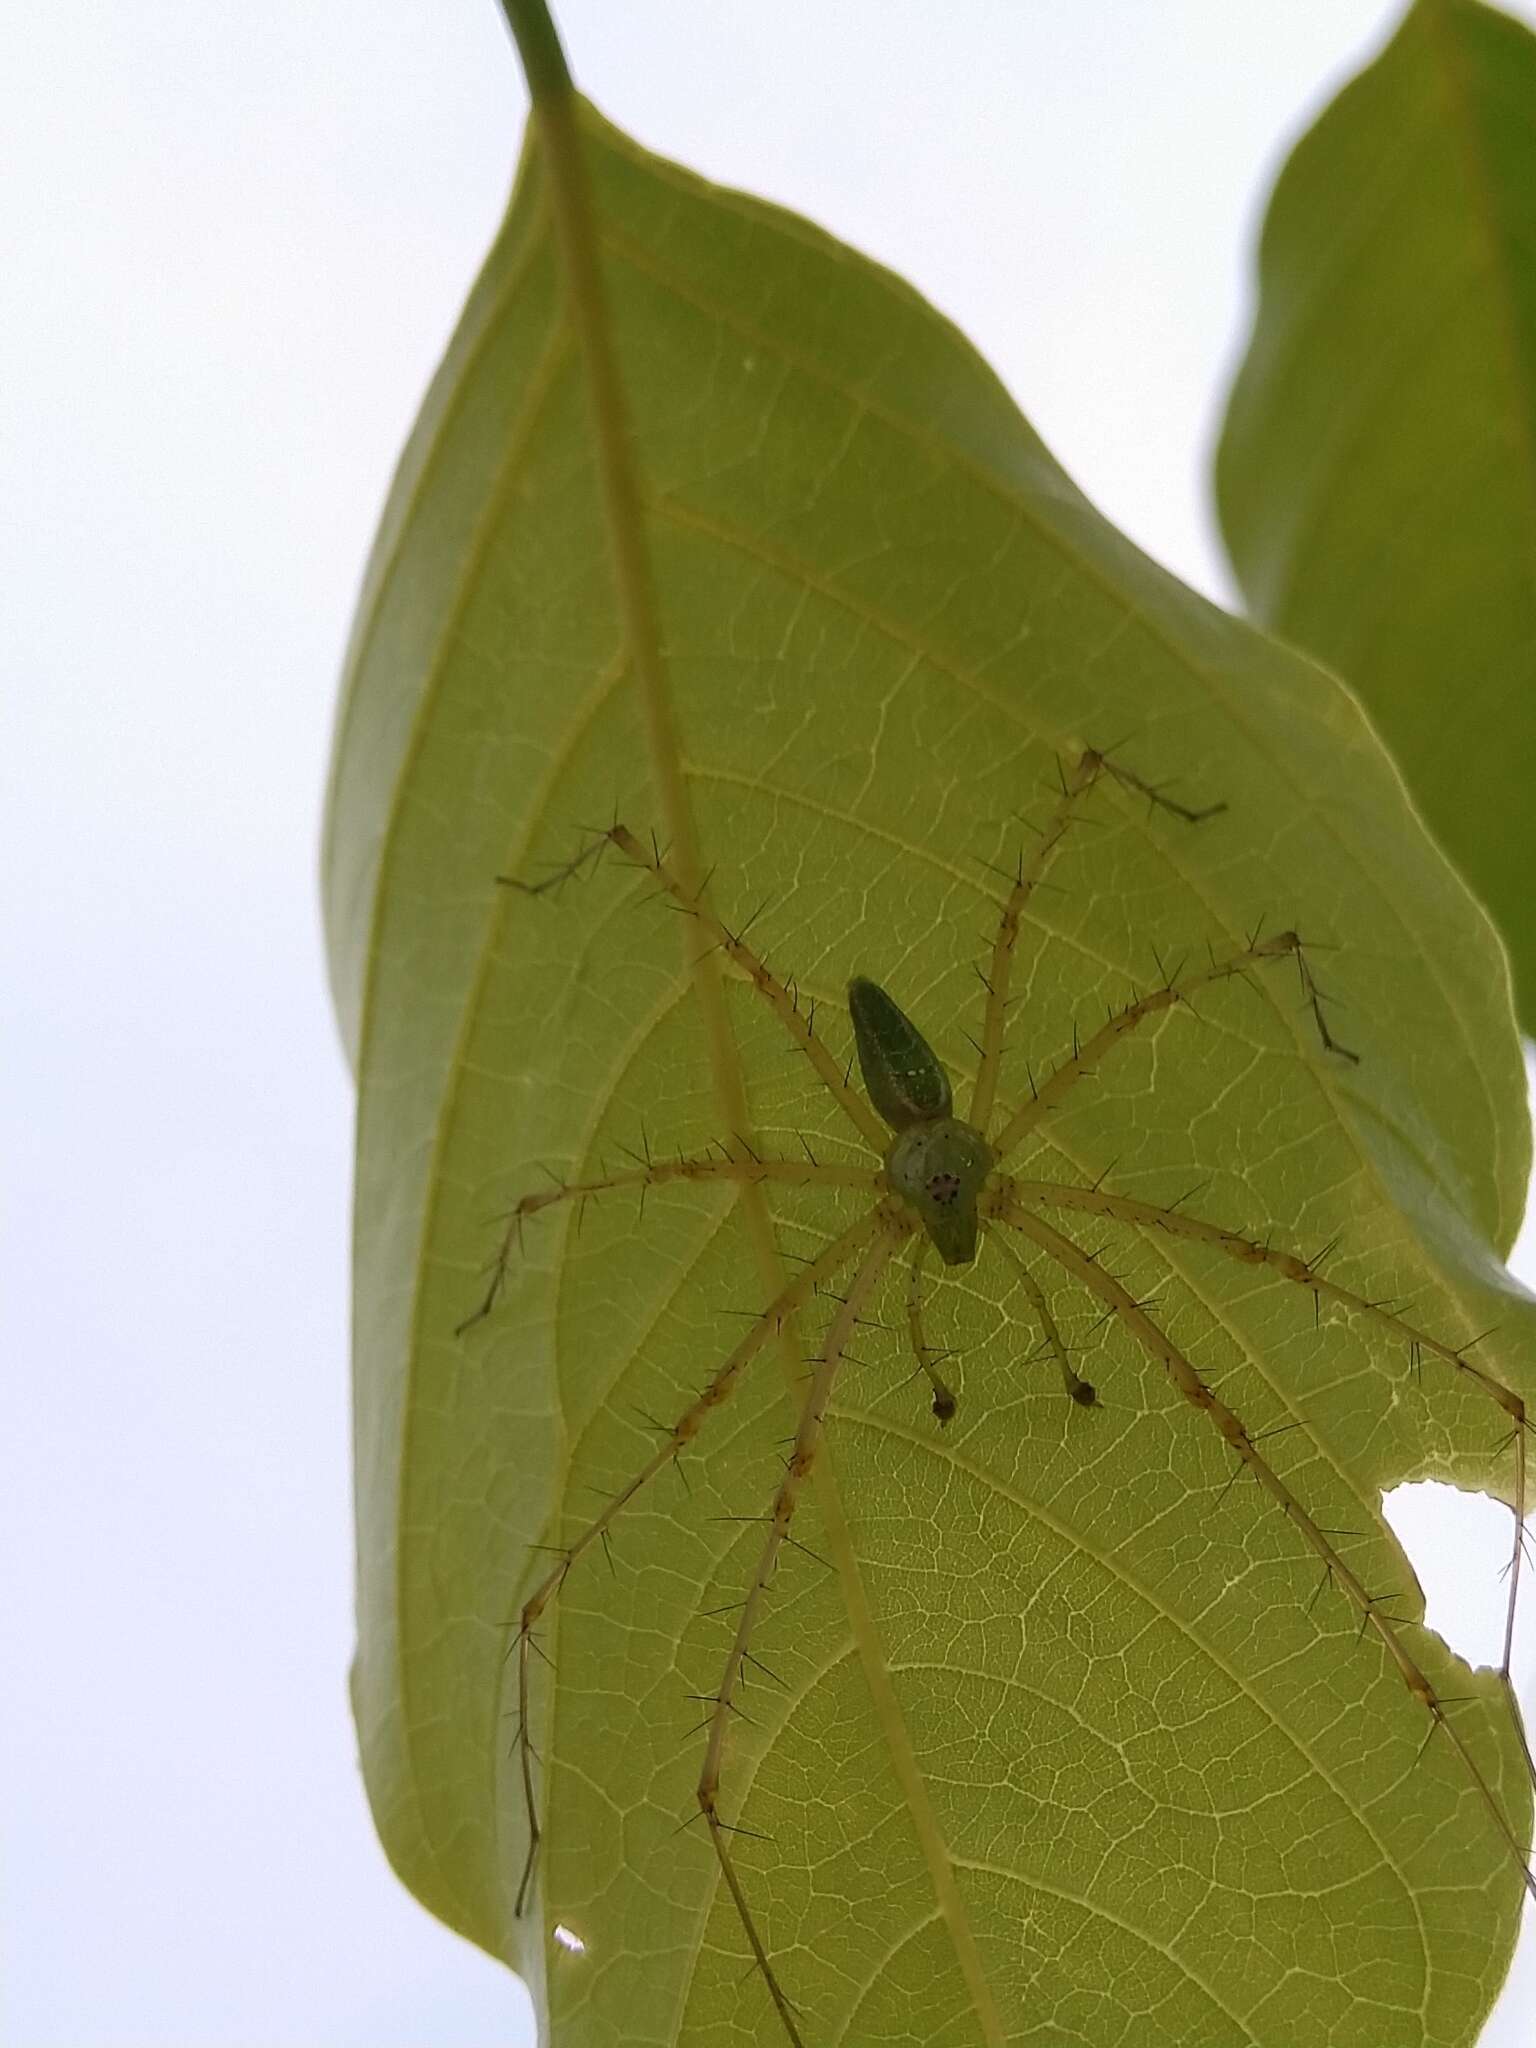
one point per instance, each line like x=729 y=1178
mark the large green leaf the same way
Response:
x=1377 y=472
x=1067 y=1749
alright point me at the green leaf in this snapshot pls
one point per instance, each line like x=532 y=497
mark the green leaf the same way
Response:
x=1377 y=470
x=1064 y=1746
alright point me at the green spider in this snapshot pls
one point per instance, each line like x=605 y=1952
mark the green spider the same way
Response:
x=939 y=1182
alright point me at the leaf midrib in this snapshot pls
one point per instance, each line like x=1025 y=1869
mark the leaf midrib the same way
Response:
x=556 y=118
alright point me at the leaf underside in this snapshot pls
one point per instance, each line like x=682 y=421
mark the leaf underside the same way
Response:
x=1377 y=472
x=1061 y=1753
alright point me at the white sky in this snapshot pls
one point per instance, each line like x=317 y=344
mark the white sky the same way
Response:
x=237 y=238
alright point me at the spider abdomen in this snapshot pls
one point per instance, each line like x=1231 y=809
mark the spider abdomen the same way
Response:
x=906 y=1083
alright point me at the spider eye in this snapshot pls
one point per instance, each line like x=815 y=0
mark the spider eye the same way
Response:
x=940 y=1167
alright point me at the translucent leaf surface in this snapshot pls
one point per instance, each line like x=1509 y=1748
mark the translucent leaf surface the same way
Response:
x=1377 y=472
x=1063 y=1748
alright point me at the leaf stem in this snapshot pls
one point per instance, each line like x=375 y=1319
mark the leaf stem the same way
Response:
x=538 y=46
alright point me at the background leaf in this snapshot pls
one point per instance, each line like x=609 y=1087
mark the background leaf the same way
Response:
x=1063 y=1745
x=1377 y=470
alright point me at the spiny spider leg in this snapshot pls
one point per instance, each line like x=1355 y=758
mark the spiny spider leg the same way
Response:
x=944 y=1402
x=1160 y=1347
x=783 y=1001
x=689 y=1423
x=1074 y=786
x=893 y=1229
x=1148 y=1216
x=1085 y=1057
x=1156 y=793
x=748 y=1172
x=1077 y=1388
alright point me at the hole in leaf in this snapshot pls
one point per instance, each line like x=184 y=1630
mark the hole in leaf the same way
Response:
x=1458 y=1544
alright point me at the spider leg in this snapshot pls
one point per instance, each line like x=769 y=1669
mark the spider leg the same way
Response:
x=944 y=1401
x=782 y=1000
x=1156 y=794
x=742 y=1172
x=888 y=1233
x=1077 y=1388
x=1148 y=1216
x=1134 y=1318
x=1074 y=785
x=1086 y=1057
x=870 y=1228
